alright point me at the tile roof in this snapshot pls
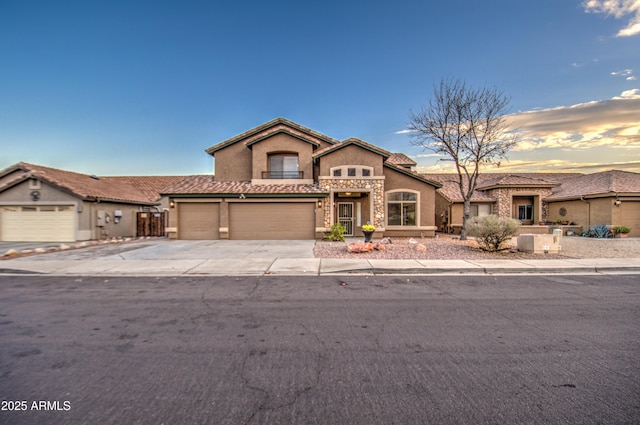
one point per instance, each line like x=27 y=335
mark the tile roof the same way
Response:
x=515 y=180
x=137 y=190
x=207 y=185
x=604 y=183
x=352 y=141
x=268 y=128
x=451 y=191
x=399 y=158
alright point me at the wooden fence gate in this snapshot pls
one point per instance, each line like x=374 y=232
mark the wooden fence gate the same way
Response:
x=150 y=223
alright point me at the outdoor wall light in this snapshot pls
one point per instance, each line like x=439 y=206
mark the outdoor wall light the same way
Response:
x=172 y=204
x=319 y=203
x=617 y=202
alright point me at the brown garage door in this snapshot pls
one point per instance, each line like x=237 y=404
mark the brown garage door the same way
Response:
x=198 y=220
x=630 y=216
x=272 y=220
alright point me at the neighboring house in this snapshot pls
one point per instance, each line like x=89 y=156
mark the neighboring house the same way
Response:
x=281 y=180
x=611 y=198
x=43 y=204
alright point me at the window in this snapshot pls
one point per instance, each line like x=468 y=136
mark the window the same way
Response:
x=479 y=210
x=525 y=212
x=351 y=171
x=402 y=208
x=283 y=166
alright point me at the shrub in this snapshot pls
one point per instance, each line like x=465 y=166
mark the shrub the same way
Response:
x=492 y=232
x=336 y=233
x=598 y=231
x=621 y=229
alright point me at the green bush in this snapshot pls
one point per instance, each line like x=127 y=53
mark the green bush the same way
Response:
x=336 y=233
x=492 y=232
x=621 y=229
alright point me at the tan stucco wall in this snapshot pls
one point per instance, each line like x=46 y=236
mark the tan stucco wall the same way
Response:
x=233 y=163
x=126 y=227
x=585 y=213
x=351 y=155
x=281 y=143
x=396 y=181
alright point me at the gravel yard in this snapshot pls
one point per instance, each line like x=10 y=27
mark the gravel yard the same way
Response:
x=448 y=248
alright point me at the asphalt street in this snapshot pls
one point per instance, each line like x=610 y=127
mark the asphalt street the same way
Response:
x=320 y=350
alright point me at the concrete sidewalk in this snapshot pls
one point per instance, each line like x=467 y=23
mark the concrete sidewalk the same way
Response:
x=311 y=266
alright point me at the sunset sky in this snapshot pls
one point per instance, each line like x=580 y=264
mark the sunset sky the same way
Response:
x=143 y=87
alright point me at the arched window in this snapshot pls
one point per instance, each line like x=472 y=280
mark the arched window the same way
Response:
x=402 y=208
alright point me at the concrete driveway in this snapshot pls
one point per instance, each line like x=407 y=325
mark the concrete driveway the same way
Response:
x=165 y=249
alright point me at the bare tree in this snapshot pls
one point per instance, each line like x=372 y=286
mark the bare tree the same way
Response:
x=467 y=125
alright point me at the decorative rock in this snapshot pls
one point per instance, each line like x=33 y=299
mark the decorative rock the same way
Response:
x=64 y=247
x=386 y=241
x=40 y=250
x=11 y=252
x=379 y=247
x=360 y=247
x=413 y=241
x=421 y=247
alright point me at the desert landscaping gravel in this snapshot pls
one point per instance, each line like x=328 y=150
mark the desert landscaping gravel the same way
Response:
x=451 y=248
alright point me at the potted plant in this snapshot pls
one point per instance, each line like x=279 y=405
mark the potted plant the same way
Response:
x=621 y=231
x=368 y=230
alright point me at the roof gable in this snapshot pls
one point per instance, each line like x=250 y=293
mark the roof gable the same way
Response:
x=266 y=130
x=352 y=142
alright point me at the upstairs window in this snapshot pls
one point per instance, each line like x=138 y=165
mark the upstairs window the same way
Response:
x=352 y=171
x=283 y=166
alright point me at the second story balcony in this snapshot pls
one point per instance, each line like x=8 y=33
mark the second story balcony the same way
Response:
x=286 y=175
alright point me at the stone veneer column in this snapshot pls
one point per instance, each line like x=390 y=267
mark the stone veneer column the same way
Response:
x=375 y=186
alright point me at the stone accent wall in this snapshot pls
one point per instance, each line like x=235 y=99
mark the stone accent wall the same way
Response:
x=374 y=185
x=502 y=207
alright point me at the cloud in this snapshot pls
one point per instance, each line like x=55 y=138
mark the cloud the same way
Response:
x=629 y=94
x=627 y=74
x=405 y=131
x=614 y=123
x=542 y=166
x=617 y=9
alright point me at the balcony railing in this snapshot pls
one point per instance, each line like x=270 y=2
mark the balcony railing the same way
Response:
x=282 y=174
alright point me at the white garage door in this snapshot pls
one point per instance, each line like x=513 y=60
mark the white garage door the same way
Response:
x=272 y=220
x=44 y=223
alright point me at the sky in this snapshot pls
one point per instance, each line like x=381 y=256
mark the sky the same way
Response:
x=144 y=87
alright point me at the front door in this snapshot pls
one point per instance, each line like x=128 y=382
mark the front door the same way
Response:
x=523 y=209
x=345 y=216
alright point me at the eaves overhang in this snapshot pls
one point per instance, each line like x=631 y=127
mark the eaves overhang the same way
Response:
x=413 y=175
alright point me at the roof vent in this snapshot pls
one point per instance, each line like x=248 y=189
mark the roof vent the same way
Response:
x=93 y=176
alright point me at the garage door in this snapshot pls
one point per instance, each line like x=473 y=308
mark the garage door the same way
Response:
x=272 y=220
x=43 y=223
x=630 y=216
x=198 y=220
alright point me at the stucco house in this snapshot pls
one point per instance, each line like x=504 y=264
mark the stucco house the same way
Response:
x=281 y=180
x=44 y=204
x=538 y=199
x=609 y=197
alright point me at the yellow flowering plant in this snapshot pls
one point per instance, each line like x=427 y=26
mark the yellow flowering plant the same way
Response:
x=368 y=227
